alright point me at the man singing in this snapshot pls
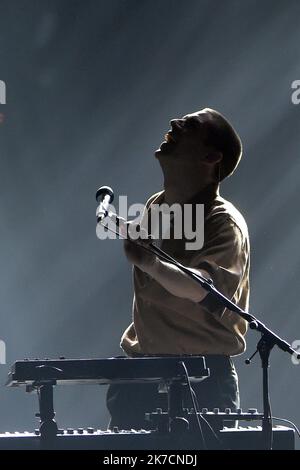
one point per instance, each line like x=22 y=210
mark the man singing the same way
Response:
x=173 y=314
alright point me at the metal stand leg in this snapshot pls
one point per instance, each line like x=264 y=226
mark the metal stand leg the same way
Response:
x=48 y=426
x=264 y=347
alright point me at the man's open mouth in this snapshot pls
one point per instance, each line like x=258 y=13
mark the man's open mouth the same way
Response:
x=169 y=137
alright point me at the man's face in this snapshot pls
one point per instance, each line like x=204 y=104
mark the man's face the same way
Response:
x=186 y=138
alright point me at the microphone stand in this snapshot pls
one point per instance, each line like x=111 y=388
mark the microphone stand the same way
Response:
x=264 y=346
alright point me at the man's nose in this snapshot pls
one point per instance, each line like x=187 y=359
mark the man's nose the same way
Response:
x=177 y=122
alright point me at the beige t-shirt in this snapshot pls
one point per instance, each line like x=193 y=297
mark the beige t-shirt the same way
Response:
x=166 y=324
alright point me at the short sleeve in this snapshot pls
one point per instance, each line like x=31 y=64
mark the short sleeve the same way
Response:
x=225 y=258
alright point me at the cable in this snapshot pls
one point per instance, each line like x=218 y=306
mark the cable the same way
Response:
x=220 y=442
x=198 y=415
x=289 y=422
x=194 y=404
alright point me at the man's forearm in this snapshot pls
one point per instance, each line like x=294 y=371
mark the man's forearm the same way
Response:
x=176 y=281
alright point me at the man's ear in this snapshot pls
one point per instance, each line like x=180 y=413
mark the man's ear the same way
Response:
x=213 y=157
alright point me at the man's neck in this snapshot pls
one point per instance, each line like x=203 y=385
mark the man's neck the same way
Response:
x=184 y=194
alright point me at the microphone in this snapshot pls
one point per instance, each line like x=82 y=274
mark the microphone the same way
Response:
x=104 y=196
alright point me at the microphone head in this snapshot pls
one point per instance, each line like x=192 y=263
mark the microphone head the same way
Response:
x=104 y=191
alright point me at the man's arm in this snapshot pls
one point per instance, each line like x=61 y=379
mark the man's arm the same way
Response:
x=222 y=259
x=168 y=275
x=176 y=281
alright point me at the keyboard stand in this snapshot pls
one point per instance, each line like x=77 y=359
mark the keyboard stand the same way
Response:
x=48 y=426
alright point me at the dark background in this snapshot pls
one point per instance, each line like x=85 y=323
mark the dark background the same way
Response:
x=91 y=86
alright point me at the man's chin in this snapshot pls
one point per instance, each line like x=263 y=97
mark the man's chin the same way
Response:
x=157 y=153
x=164 y=149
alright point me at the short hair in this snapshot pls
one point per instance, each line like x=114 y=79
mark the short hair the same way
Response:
x=222 y=137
